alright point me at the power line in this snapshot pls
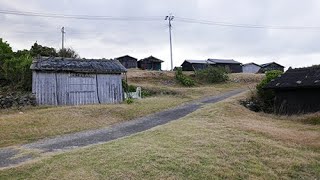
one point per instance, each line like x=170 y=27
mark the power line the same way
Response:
x=253 y=26
x=157 y=18
x=80 y=17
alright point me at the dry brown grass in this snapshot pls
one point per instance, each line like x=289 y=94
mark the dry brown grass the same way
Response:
x=33 y=124
x=41 y=122
x=220 y=141
x=294 y=129
x=246 y=77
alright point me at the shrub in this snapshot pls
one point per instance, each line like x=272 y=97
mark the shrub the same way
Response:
x=183 y=79
x=129 y=101
x=263 y=99
x=17 y=73
x=128 y=88
x=266 y=96
x=212 y=75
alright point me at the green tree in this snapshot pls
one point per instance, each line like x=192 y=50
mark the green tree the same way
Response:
x=5 y=53
x=68 y=53
x=17 y=72
x=37 y=49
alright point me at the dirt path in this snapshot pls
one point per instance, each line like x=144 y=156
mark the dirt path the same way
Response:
x=15 y=156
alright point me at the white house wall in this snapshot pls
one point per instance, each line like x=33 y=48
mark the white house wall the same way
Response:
x=250 y=68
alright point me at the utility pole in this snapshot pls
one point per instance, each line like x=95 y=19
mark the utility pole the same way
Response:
x=62 y=33
x=170 y=18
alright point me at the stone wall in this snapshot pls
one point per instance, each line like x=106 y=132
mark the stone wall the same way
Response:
x=16 y=100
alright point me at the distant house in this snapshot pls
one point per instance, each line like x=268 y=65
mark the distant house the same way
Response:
x=230 y=64
x=128 y=61
x=271 y=66
x=150 y=63
x=297 y=91
x=251 y=68
x=68 y=81
x=192 y=65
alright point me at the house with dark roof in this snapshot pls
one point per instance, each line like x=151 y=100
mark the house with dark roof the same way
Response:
x=192 y=65
x=69 y=81
x=297 y=91
x=251 y=68
x=128 y=61
x=230 y=64
x=271 y=66
x=150 y=63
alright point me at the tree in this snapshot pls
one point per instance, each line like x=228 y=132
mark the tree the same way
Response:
x=37 y=49
x=17 y=73
x=68 y=53
x=5 y=53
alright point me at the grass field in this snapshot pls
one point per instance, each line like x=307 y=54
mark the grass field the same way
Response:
x=30 y=124
x=223 y=140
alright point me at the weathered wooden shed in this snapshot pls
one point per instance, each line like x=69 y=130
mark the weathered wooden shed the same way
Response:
x=193 y=65
x=128 y=61
x=251 y=68
x=150 y=63
x=297 y=91
x=230 y=64
x=68 y=81
x=271 y=66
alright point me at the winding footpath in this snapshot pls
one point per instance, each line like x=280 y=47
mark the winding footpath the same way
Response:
x=14 y=156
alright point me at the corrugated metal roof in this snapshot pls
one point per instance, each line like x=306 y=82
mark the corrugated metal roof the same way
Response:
x=77 y=65
x=297 y=78
x=224 y=61
x=200 y=62
x=151 y=58
x=267 y=64
x=126 y=56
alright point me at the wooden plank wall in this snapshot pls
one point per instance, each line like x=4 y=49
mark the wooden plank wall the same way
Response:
x=76 y=88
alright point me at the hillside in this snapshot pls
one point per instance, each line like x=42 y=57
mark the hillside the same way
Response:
x=32 y=123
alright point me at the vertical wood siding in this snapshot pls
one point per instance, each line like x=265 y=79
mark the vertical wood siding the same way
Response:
x=76 y=88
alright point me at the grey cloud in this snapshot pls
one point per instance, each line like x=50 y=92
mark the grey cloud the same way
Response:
x=113 y=38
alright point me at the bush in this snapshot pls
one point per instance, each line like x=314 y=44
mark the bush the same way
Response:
x=266 y=96
x=212 y=75
x=263 y=100
x=16 y=72
x=128 y=88
x=129 y=101
x=183 y=79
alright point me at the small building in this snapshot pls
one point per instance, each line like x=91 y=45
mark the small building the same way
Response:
x=68 y=81
x=297 y=91
x=128 y=61
x=229 y=64
x=193 y=65
x=271 y=66
x=251 y=68
x=150 y=63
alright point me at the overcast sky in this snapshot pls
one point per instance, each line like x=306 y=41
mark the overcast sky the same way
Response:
x=110 y=39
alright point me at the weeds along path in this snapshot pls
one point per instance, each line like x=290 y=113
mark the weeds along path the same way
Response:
x=17 y=155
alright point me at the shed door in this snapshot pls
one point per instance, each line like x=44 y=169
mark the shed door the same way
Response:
x=82 y=89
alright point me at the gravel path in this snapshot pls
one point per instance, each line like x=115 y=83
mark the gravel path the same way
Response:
x=85 y=138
